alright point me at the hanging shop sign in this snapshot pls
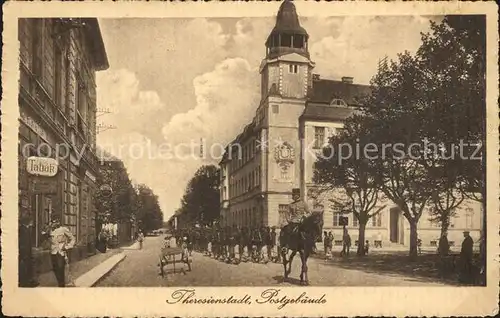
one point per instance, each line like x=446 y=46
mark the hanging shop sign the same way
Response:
x=106 y=190
x=42 y=166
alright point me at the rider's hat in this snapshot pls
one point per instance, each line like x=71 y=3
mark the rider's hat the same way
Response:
x=296 y=191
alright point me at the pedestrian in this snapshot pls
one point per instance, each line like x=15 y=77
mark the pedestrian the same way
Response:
x=325 y=242
x=367 y=247
x=330 y=245
x=466 y=254
x=273 y=244
x=26 y=261
x=61 y=241
x=346 y=244
x=378 y=242
x=140 y=239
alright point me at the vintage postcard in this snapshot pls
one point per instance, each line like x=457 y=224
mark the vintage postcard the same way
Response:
x=250 y=158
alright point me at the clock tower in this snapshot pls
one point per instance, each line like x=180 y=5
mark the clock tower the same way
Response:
x=285 y=82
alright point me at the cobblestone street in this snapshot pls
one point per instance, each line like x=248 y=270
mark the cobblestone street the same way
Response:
x=140 y=269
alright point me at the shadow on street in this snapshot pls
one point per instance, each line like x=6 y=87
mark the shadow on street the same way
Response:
x=427 y=267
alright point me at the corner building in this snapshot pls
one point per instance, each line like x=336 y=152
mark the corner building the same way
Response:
x=297 y=114
x=57 y=103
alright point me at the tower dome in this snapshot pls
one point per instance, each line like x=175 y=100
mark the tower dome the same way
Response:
x=287 y=36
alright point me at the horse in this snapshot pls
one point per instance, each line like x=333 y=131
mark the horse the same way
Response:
x=300 y=240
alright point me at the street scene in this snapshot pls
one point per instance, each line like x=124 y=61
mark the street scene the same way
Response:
x=140 y=268
x=283 y=150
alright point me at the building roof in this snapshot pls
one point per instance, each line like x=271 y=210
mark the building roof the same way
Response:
x=287 y=21
x=322 y=112
x=325 y=90
x=96 y=44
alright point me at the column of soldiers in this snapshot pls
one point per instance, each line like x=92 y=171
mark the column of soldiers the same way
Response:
x=232 y=244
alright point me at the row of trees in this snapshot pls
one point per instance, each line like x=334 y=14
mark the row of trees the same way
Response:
x=201 y=201
x=126 y=202
x=434 y=99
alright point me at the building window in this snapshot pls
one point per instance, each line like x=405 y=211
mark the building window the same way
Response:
x=355 y=221
x=58 y=78
x=293 y=68
x=37 y=47
x=276 y=109
x=336 y=218
x=319 y=137
x=81 y=100
x=377 y=220
x=468 y=218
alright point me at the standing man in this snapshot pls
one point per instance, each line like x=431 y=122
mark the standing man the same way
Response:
x=466 y=257
x=61 y=240
x=26 y=261
x=346 y=243
x=140 y=239
x=325 y=243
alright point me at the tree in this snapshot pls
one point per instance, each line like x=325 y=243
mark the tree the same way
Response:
x=339 y=170
x=201 y=201
x=150 y=216
x=395 y=113
x=118 y=205
x=453 y=58
x=436 y=96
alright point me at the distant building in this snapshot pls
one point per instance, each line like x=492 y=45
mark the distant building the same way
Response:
x=297 y=113
x=57 y=103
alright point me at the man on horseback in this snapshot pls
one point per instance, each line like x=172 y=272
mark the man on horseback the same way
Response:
x=298 y=210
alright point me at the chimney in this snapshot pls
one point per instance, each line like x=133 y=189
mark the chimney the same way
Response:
x=315 y=77
x=347 y=79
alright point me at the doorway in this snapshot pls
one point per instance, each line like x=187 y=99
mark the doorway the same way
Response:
x=394 y=225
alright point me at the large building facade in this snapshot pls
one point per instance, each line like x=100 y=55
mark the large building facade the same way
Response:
x=277 y=150
x=57 y=103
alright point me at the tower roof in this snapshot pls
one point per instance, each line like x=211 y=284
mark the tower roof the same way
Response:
x=287 y=20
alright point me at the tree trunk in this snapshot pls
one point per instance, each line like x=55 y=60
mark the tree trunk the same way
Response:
x=413 y=239
x=444 y=246
x=361 y=239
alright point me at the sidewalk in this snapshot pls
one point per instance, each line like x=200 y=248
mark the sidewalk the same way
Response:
x=79 y=268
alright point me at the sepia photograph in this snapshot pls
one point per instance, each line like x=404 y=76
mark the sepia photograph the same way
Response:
x=287 y=149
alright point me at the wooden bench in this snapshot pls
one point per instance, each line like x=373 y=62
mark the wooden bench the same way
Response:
x=174 y=255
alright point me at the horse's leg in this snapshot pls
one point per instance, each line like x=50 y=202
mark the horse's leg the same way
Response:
x=283 y=256
x=304 y=256
x=290 y=261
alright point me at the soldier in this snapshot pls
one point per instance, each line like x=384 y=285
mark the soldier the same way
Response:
x=298 y=210
x=273 y=240
x=267 y=242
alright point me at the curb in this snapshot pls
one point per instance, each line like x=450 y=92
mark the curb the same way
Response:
x=91 y=277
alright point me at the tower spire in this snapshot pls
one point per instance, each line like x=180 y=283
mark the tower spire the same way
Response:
x=288 y=35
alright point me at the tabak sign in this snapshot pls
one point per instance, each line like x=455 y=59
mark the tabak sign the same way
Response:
x=41 y=166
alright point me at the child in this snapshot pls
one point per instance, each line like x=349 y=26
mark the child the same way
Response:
x=367 y=247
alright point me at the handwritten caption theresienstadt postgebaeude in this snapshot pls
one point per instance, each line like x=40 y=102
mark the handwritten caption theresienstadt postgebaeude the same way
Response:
x=268 y=296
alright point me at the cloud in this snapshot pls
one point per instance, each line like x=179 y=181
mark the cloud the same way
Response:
x=360 y=42
x=226 y=99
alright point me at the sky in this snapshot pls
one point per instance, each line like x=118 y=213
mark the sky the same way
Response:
x=172 y=81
